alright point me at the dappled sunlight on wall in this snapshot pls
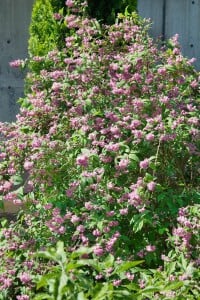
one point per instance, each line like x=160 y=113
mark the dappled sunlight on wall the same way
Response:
x=14 y=26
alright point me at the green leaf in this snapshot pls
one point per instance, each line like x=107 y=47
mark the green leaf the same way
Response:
x=122 y=293
x=81 y=296
x=133 y=157
x=100 y=225
x=173 y=286
x=20 y=191
x=62 y=283
x=162 y=230
x=25 y=129
x=61 y=252
x=138 y=225
x=17 y=179
x=86 y=151
x=81 y=251
x=190 y=270
x=103 y=292
x=3 y=222
x=47 y=254
x=89 y=262
x=128 y=265
x=132 y=286
x=45 y=279
x=43 y=296
x=109 y=261
x=1 y=203
x=150 y=289
x=171 y=266
x=148 y=177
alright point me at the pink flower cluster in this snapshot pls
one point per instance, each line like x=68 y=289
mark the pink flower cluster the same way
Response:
x=17 y=63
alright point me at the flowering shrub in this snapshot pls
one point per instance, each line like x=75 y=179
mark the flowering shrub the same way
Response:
x=106 y=150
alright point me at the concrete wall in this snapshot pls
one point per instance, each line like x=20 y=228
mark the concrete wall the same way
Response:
x=15 y=18
x=175 y=16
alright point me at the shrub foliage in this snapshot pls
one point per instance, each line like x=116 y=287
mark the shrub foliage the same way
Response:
x=104 y=155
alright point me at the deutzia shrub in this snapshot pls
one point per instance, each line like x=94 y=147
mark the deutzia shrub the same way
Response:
x=104 y=155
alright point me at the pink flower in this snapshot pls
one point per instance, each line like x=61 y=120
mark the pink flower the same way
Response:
x=150 y=248
x=80 y=228
x=130 y=276
x=56 y=86
x=134 y=198
x=82 y=160
x=98 y=250
x=113 y=223
x=112 y=147
x=110 y=213
x=151 y=186
x=110 y=244
x=141 y=253
x=164 y=100
x=165 y=258
x=123 y=211
x=70 y=192
x=144 y=164
x=183 y=277
x=89 y=205
x=28 y=165
x=172 y=277
x=123 y=164
x=23 y=297
x=162 y=71
x=150 y=136
x=96 y=232
x=141 y=283
x=69 y=3
x=57 y=16
x=16 y=63
x=117 y=282
x=48 y=206
x=114 y=130
x=99 y=276
x=17 y=201
x=2 y=155
x=7 y=186
x=25 y=277
x=106 y=229
x=135 y=124
x=7 y=282
x=75 y=219
x=61 y=230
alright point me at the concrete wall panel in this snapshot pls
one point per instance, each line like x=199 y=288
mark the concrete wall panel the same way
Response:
x=183 y=17
x=175 y=16
x=152 y=9
x=15 y=16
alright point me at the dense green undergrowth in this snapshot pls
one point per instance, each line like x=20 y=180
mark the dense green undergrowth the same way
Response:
x=104 y=158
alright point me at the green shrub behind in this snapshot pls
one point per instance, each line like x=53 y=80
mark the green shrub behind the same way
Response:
x=45 y=31
x=106 y=11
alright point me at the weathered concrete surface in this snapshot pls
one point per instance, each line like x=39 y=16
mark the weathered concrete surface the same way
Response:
x=152 y=9
x=15 y=16
x=175 y=16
